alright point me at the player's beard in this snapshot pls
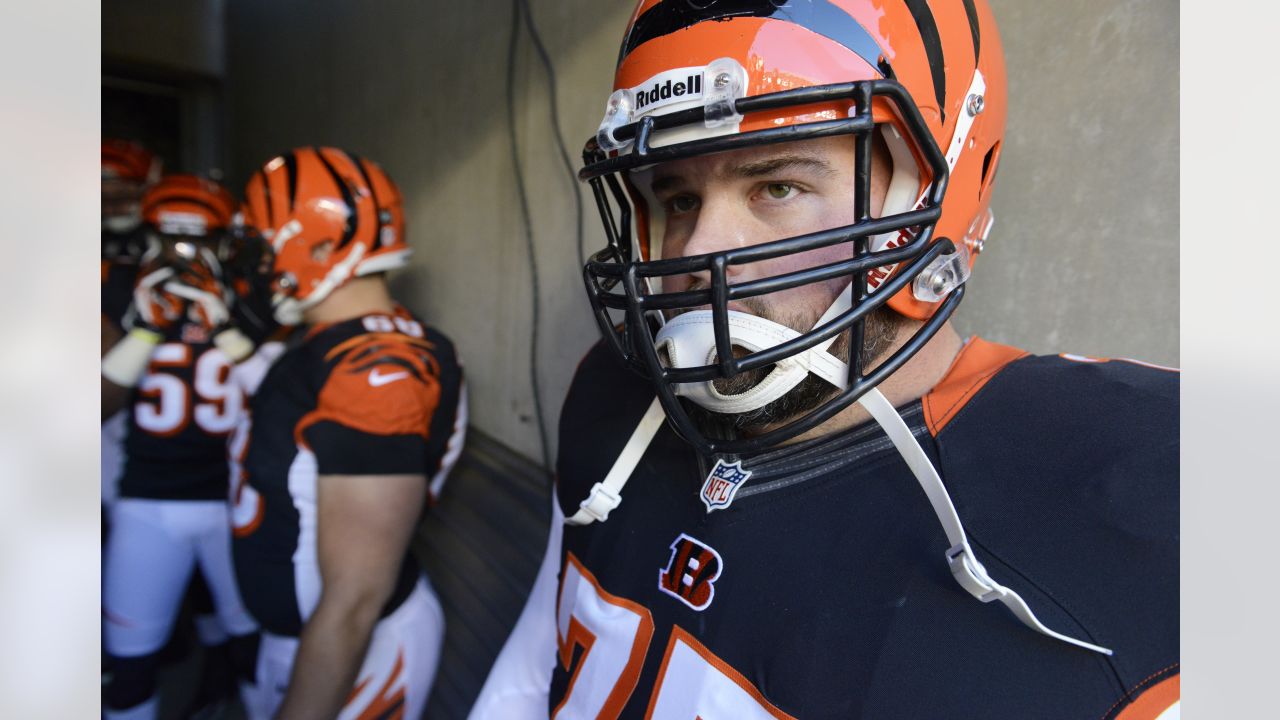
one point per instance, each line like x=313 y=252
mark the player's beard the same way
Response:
x=880 y=330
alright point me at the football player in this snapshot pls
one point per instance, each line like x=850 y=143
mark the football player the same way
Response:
x=834 y=506
x=127 y=170
x=349 y=437
x=170 y=372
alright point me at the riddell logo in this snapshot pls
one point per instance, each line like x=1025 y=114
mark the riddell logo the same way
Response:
x=690 y=85
x=691 y=573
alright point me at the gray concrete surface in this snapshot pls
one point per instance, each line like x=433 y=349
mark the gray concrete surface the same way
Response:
x=1082 y=259
x=1084 y=254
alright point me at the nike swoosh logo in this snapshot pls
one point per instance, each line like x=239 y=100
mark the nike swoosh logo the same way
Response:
x=377 y=380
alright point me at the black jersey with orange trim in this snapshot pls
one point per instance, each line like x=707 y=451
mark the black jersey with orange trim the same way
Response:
x=822 y=591
x=184 y=407
x=375 y=395
x=180 y=414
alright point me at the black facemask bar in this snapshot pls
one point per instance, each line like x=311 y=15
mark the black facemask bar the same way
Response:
x=616 y=280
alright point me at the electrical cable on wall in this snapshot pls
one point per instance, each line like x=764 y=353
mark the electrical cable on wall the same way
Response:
x=516 y=6
x=555 y=128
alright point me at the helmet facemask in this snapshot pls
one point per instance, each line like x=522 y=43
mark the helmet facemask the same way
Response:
x=651 y=329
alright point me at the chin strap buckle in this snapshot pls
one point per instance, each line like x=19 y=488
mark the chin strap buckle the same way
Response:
x=600 y=502
x=971 y=575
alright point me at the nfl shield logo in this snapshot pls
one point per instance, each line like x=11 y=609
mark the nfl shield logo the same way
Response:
x=722 y=484
x=192 y=334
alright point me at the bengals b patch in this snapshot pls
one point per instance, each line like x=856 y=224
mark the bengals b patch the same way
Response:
x=691 y=572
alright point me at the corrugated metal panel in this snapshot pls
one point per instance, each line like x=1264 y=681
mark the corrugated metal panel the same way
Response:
x=481 y=545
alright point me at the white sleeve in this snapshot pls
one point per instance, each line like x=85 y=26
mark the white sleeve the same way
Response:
x=519 y=682
x=248 y=375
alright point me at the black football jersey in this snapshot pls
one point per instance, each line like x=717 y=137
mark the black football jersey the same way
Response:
x=184 y=407
x=180 y=414
x=820 y=588
x=376 y=395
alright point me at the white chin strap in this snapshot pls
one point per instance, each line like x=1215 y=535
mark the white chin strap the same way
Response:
x=690 y=341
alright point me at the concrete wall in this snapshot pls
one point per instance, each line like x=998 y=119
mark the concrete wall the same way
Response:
x=1082 y=258
x=1084 y=254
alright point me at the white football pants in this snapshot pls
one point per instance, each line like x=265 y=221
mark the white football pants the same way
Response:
x=397 y=671
x=153 y=548
x=113 y=432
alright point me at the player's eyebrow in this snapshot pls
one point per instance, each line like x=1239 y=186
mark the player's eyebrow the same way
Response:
x=772 y=165
x=758 y=168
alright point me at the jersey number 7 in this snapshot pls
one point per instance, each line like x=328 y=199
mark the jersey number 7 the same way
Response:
x=614 y=636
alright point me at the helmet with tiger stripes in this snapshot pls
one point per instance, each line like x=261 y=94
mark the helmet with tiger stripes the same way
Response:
x=328 y=216
x=127 y=169
x=188 y=205
x=128 y=161
x=696 y=77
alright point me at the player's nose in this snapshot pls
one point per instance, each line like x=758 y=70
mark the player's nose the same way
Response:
x=720 y=227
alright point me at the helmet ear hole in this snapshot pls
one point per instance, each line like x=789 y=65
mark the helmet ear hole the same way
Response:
x=989 y=164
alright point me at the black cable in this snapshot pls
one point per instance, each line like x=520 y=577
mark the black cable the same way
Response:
x=555 y=129
x=528 y=230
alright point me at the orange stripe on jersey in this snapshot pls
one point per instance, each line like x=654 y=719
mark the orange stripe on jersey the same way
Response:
x=382 y=384
x=977 y=363
x=355 y=691
x=679 y=634
x=1154 y=700
x=373 y=337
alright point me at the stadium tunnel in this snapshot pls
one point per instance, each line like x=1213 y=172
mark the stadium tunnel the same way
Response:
x=479 y=109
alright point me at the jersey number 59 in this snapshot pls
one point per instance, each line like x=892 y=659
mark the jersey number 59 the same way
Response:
x=167 y=405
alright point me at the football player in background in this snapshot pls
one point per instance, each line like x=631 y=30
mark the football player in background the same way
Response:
x=834 y=506
x=170 y=374
x=348 y=439
x=127 y=170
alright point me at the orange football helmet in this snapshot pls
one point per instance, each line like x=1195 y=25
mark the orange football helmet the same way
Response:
x=188 y=219
x=696 y=77
x=127 y=170
x=128 y=160
x=188 y=205
x=316 y=207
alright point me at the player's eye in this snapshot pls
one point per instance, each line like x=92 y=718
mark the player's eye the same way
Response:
x=678 y=204
x=780 y=191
